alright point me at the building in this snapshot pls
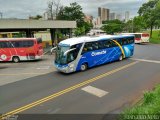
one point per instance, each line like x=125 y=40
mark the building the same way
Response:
x=119 y=17
x=127 y=16
x=112 y=16
x=30 y=26
x=98 y=21
x=88 y=18
x=103 y=13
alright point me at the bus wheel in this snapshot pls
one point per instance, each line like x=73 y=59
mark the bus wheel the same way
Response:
x=121 y=58
x=16 y=59
x=84 y=67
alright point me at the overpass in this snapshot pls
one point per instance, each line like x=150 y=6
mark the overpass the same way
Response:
x=29 y=26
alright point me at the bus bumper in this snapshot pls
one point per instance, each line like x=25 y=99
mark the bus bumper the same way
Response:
x=64 y=68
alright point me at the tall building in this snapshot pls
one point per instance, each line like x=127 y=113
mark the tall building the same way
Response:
x=98 y=21
x=119 y=17
x=112 y=16
x=103 y=13
x=126 y=16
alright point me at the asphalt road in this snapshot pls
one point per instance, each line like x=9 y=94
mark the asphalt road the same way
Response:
x=116 y=86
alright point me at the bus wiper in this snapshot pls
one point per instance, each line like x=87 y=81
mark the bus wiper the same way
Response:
x=68 y=51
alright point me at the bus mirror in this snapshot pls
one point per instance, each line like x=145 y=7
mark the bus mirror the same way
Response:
x=68 y=51
x=53 y=49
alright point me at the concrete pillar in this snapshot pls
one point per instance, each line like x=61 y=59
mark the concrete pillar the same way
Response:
x=70 y=33
x=53 y=36
x=29 y=33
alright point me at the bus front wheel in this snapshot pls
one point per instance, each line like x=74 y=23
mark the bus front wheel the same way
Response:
x=84 y=67
x=15 y=59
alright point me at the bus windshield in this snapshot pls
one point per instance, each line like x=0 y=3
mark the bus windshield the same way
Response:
x=61 y=58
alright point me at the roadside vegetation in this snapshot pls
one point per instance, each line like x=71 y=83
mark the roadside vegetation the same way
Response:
x=149 y=107
x=155 y=37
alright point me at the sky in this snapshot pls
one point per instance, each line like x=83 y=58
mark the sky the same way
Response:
x=25 y=8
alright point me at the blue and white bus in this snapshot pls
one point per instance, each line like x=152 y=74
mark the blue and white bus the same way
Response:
x=78 y=54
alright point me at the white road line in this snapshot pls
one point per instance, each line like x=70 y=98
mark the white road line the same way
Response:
x=95 y=91
x=50 y=111
x=145 y=60
x=43 y=67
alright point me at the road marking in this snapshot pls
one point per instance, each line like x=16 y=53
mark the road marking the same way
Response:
x=43 y=67
x=53 y=111
x=145 y=60
x=95 y=91
x=55 y=95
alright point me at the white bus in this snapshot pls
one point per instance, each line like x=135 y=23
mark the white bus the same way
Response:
x=140 y=37
x=78 y=54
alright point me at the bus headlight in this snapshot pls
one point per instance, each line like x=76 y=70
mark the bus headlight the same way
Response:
x=71 y=65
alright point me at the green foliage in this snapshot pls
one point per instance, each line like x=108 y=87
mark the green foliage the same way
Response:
x=151 y=13
x=136 y=25
x=112 y=26
x=149 y=106
x=79 y=31
x=116 y=21
x=37 y=17
x=72 y=12
x=88 y=26
x=155 y=37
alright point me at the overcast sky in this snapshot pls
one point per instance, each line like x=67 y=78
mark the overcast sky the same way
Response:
x=25 y=8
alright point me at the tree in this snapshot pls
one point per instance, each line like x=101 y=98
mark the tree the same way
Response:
x=54 y=7
x=79 y=31
x=137 y=24
x=72 y=12
x=37 y=17
x=150 y=11
x=88 y=26
x=112 y=26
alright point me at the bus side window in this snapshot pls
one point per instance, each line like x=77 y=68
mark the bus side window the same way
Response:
x=85 y=48
x=124 y=41
x=95 y=45
x=101 y=45
x=106 y=44
x=131 y=40
x=5 y=44
x=17 y=44
x=119 y=41
x=113 y=44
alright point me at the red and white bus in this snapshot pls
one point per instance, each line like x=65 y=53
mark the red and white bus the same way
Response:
x=20 y=49
x=140 y=37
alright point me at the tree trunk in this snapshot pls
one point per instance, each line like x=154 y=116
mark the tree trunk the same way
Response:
x=151 y=31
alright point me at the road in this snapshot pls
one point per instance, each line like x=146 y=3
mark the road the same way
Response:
x=116 y=86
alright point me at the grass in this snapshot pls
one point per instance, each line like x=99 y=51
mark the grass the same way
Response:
x=155 y=37
x=149 y=107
